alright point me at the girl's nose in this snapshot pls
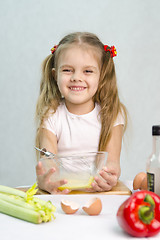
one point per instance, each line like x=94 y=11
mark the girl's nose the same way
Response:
x=76 y=76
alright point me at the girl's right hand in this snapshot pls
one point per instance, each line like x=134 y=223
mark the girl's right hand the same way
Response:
x=46 y=184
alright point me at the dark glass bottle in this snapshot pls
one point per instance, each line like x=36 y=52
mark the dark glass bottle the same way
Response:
x=153 y=163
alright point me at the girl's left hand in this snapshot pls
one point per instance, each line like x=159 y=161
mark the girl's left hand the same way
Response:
x=109 y=178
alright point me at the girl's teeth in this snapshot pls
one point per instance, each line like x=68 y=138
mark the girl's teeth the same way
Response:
x=76 y=88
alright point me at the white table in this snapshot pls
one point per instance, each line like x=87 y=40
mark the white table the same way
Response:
x=78 y=226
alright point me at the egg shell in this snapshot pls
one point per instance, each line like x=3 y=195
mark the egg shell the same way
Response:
x=93 y=207
x=143 y=185
x=69 y=207
x=138 y=180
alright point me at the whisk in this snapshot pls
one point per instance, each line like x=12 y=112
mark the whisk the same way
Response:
x=44 y=152
x=64 y=159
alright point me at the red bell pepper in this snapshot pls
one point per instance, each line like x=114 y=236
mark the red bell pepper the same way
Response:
x=139 y=215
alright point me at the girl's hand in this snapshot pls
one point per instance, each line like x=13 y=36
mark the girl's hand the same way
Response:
x=45 y=183
x=110 y=173
x=109 y=178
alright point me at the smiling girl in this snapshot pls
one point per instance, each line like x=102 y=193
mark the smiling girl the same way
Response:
x=79 y=108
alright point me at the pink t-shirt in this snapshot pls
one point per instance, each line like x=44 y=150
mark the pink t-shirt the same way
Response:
x=76 y=133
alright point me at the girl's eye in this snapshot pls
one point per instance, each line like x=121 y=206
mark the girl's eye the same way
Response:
x=88 y=71
x=66 y=70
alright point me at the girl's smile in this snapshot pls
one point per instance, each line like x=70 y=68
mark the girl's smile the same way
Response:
x=78 y=77
x=77 y=88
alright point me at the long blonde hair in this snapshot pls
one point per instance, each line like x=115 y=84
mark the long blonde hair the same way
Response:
x=107 y=93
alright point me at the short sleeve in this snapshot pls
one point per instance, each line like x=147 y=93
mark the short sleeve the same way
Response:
x=49 y=124
x=119 y=120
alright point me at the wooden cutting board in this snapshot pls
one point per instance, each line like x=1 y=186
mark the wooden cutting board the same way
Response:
x=119 y=189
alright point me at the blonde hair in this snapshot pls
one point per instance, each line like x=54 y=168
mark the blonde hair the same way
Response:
x=107 y=93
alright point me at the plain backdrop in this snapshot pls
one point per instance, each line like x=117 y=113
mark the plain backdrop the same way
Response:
x=29 y=29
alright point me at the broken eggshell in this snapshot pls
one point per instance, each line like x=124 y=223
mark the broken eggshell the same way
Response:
x=69 y=207
x=93 y=206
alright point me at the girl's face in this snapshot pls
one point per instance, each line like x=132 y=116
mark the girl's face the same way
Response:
x=78 y=76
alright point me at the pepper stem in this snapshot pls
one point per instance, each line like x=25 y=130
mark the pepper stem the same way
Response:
x=149 y=199
x=146 y=213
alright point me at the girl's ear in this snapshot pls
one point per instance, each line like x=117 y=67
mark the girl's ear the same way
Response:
x=54 y=73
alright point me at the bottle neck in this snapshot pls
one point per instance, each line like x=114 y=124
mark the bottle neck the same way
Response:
x=156 y=145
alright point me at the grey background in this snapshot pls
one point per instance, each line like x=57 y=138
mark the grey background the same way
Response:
x=28 y=30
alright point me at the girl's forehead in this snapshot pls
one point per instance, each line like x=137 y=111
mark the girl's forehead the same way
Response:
x=83 y=50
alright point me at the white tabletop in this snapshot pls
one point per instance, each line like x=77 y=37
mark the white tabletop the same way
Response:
x=78 y=226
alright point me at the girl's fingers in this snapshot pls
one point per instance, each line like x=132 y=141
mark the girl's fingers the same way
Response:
x=39 y=169
x=59 y=183
x=48 y=174
x=107 y=181
x=65 y=191
x=96 y=187
x=53 y=187
x=101 y=185
x=110 y=178
x=44 y=181
x=89 y=190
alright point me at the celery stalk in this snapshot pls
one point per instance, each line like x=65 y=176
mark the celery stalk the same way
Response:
x=13 y=191
x=19 y=212
x=24 y=205
x=14 y=200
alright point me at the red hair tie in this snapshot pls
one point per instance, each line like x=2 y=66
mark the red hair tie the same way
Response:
x=112 y=50
x=54 y=49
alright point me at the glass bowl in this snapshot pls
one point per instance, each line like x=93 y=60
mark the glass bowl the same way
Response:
x=78 y=169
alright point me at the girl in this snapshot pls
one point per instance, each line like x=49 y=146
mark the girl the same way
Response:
x=79 y=108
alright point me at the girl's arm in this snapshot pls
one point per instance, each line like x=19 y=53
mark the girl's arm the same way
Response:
x=111 y=171
x=114 y=147
x=49 y=141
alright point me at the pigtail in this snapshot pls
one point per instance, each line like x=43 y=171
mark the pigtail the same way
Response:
x=49 y=97
x=108 y=98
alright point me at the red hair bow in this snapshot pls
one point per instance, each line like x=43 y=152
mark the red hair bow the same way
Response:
x=54 y=49
x=112 y=50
